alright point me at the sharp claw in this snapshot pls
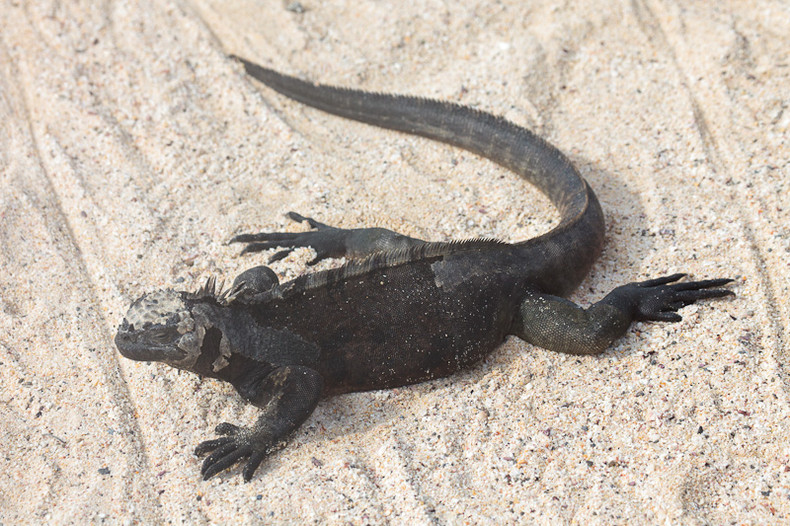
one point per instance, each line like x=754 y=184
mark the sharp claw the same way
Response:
x=671 y=317
x=252 y=465
x=229 y=449
x=253 y=247
x=658 y=299
x=706 y=294
x=242 y=238
x=661 y=281
x=218 y=453
x=299 y=218
x=703 y=284
x=282 y=254
x=210 y=445
x=293 y=216
x=225 y=462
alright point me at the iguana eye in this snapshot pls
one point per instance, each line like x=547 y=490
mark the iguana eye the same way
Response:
x=161 y=336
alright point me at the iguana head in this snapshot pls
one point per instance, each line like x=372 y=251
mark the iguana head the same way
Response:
x=161 y=326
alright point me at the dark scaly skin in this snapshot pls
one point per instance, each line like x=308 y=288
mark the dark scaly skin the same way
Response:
x=404 y=310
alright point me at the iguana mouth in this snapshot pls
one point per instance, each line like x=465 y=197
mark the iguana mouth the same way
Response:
x=128 y=345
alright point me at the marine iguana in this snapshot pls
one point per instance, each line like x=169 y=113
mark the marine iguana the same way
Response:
x=402 y=310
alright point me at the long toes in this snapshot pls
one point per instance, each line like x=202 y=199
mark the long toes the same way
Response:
x=285 y=238
x=250 y=238
x=719 y=282
x=211 y=445
x=299 y=218
x=280 y=255
x=665 y=316
x=660 y=281
x=319 y=256
x=243 y=238
x=252 y=464
x=225 y=462
x=217 y=454
x=690 y=296
x=703 y=284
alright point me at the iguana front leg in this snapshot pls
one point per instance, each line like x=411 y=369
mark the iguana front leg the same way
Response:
x=559 y=325
x=251 y=282
x=287 y=396
x=327 y=241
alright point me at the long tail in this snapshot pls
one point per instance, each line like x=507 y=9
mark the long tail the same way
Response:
x=579 y=234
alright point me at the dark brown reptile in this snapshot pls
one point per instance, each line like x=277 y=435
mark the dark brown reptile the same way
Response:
x=403 y=310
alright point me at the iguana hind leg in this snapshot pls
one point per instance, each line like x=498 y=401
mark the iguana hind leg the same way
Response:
x=559 y=325
x=327 y=241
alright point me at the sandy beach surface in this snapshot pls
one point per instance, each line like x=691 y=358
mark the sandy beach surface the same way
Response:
x=132 y=149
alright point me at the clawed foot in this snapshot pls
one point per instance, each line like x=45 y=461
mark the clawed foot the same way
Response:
x=658 y=300
x=237 y=444
x=327 y=241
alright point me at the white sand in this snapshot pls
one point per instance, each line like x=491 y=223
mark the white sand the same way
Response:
x=131 y=149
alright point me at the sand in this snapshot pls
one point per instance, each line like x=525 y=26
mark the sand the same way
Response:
x=132 y=149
